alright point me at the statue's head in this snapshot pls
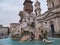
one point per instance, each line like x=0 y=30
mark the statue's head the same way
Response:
x=21 y=14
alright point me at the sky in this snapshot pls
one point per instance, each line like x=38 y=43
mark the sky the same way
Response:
x=9 y=10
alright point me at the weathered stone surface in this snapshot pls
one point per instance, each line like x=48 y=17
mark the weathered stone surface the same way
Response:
x=25 y=38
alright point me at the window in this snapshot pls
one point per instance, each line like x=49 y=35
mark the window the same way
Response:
x=45 y=23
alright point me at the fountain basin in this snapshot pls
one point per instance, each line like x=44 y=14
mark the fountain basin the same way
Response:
x=9 y=41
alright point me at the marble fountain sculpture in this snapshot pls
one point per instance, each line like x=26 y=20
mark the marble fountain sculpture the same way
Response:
x=28 y=28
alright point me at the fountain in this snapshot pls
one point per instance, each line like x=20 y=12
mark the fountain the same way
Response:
x=29 y=31
x=28 y=27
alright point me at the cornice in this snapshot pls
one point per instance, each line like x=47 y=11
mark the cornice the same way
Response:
x=48 y=15
x=55 y=7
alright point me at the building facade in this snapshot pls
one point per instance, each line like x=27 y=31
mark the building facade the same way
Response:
x=4 y=32
x=51 y=18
